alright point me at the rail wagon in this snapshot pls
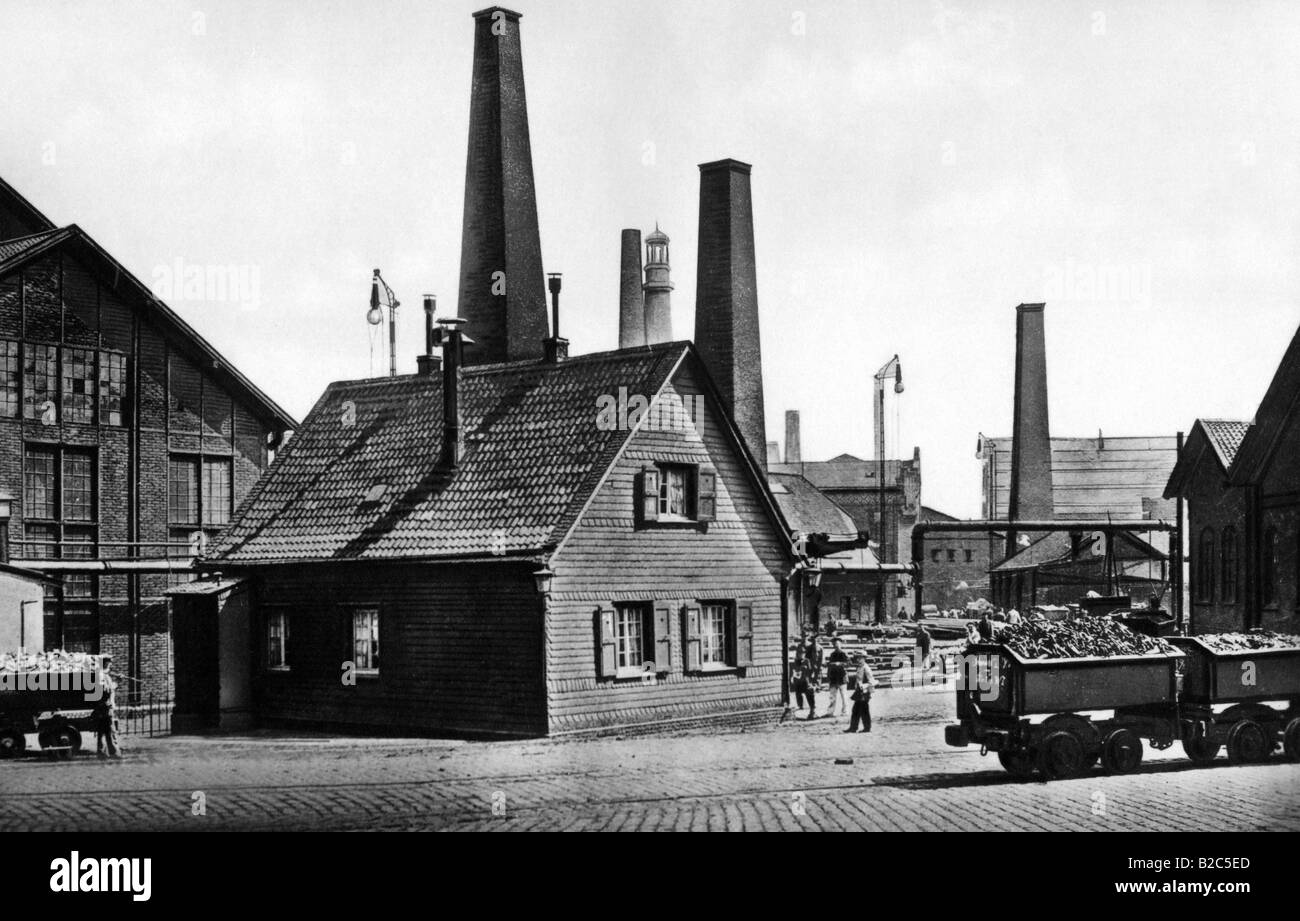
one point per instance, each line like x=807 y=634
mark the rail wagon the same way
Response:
x=1059 y=717
x=56 y=715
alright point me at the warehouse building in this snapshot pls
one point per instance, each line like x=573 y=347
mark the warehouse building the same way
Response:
x=1241 y=481
x=125 y=439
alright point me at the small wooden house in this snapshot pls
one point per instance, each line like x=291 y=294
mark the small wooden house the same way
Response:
x=603 y=553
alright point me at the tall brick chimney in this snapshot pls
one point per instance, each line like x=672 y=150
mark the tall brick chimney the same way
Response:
x=793 y=452
x=502 y=291
x=1031 y=444
x=726 y=298
x=631 y=299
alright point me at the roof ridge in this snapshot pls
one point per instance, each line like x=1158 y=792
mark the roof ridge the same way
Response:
x=39 y=233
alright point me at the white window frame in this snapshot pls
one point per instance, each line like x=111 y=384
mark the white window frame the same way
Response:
x=690 y=483
x=717 y=622
x=277 y=618
x=371 y=613
x=629 y=660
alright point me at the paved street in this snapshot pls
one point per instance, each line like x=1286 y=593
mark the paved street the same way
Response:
x=786 y=777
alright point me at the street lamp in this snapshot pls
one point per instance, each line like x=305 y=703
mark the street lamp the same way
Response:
x=375 y=316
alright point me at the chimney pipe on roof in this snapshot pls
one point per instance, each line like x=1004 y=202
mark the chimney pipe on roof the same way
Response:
x=631 y=299
x=1031 y=444
x=428 y=363
x=451 y=337
x=726 y=298
x=773 y=453
x=555 y=349
x=793 y=450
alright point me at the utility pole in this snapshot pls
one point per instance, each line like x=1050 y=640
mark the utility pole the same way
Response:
x=894 y=369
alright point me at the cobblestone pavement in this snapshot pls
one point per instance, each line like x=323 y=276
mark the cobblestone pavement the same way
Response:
x=901 y=776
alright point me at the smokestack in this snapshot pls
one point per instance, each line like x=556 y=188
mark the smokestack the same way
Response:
x=773 y=453
x=793 y=452
x=502 y=292
x=726 y=298
x=452 y=339
x=631 y=299
x=555 y=348
x=1031 y=444
x=428 y=363
x=658 y=289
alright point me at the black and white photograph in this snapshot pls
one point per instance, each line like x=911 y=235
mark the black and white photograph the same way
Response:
x=586 y=416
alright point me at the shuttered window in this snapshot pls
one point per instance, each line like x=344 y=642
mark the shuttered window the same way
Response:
x=676 y=493
x=718 y=635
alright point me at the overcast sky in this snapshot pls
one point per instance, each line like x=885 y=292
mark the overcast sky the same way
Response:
x=919 y=169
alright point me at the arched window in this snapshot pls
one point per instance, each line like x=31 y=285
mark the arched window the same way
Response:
x=1205 y=566
x=1268 y=578
x=1231 y=561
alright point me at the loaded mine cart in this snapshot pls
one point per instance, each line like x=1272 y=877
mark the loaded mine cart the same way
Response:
x=1060 y=716
x=53 y=704
x=1247 y=699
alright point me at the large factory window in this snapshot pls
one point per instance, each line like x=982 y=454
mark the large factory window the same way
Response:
x=1205 y=566
x=1231 y=562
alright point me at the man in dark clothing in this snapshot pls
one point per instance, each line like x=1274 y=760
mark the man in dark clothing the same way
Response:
x=837 y=672
x=861 y=695
x=105 y=717
x=985 y=627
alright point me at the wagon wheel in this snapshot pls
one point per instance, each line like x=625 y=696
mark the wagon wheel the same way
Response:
x=12 y=743
x=1248 y=743
x=1291 y=739
x=1019 y=762
x=1200 y=749
x=1121 y=753
x=64 y=738
x=1061 y=755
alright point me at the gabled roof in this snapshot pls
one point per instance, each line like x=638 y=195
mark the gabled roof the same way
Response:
x=1217 y=438
x=9 y=198
x=16 y=253
x=807 y=509
x=16 y=249
x=1280 y=406
x=534 y=455
x=845 y=472
x=1057 y=548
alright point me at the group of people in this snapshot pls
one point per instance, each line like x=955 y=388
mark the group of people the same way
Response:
x=811 y=664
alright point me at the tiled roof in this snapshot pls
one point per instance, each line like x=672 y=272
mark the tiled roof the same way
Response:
x=808 y=509
x=1225 y=435
x=12 y=249
x=533 y=454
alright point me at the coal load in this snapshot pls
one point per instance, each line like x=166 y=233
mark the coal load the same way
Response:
x=54 y=660
x=1241 y=642
x=1093 y=637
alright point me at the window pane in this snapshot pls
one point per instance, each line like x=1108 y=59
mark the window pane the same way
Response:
x=41 y=378
x=365 y=639
x=44 y=540
x=79 y=544
x=78 y=385
x=183 y=491
x=216 y=492
x=9 y=378
x=78 y=486
x=713 y=634
x=277 y=633
x=80 y=629
x=630 y=637
x=112 y=383
x=40 y=496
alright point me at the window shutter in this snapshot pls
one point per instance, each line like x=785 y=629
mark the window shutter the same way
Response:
x=694 y=659
x=707 y=496
x=744 y=634
x=663 y=637
x=607 y=664
x=650 y=494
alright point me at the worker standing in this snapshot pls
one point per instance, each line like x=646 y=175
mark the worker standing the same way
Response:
x=863 y=683
x=105 y=716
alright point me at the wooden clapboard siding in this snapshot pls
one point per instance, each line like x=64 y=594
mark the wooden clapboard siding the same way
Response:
x=460 y=647
x=607 y=558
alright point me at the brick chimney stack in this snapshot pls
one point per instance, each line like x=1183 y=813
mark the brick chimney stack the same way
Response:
x=793 y=451
x=726 y=298
x=631 y=299
x=502 y=291
x=1031 y=445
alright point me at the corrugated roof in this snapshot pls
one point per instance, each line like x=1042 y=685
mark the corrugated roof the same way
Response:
x=533 y=454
